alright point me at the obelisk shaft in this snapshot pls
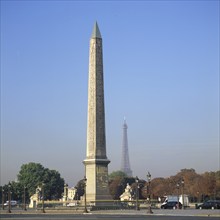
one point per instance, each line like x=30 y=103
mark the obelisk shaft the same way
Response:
x=96 y=143
x=96 y=162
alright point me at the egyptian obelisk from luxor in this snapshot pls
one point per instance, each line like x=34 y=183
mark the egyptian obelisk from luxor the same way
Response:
x=96 y=162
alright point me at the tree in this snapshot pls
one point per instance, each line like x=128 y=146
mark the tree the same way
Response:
x=32 y=175
x=117 y=182
x=53 y=184
x=210 y=179
x=141 y=187
x=16 y=189
x=197 y=186
x=217 y=175
x=118 y=173
x=80 y=187
x=116 y=187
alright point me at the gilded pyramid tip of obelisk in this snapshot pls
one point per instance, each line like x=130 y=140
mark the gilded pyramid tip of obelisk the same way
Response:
x=96 y=32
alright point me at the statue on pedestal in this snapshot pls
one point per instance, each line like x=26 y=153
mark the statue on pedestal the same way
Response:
x=126 y=196
x=35 y=198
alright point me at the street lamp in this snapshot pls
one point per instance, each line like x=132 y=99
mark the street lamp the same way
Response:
x=9 y=197
x=198 y=199
x=178 y=186
x=65 y=193
x=182 y=183
x=85 y=208
x=43 y=197
x=137 y=192
x=25 y=199
x=149 y=181
x=3 y=195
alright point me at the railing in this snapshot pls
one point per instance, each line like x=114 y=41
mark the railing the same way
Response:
x=94 y=205
x=75 y=205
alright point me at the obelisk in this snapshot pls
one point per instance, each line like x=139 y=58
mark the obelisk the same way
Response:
x=96 y=162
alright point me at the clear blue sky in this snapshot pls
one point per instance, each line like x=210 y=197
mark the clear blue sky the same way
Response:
x=161 y=71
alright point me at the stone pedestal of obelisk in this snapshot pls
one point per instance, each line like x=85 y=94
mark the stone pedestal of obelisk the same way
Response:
x=96 y=162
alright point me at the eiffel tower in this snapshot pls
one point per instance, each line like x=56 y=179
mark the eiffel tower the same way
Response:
x=125 y=164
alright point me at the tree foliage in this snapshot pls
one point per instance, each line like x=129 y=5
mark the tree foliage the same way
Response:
x=80 y=187
x=118 y=181
x=198 y=186
x=32 y=175
x=16 y=189
x=117 y=174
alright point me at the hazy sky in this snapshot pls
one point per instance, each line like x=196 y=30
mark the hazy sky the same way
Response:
x=161 y=71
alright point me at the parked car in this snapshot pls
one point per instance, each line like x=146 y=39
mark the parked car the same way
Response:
x=210 y=204
x=13 y=203
x=171 y=205
x=181 y=198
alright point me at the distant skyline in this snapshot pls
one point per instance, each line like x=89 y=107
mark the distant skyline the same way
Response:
x=161 y=71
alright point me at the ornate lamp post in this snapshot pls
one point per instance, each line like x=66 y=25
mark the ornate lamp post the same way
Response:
x=198 y=197
x=65 y=193
x=178 y=186
x=9 y=197
x=25 y=198
x=85 y=207
x=137 y=192
x=149 y=181
x=43 y=210
x=3 y=199
x=182 y=183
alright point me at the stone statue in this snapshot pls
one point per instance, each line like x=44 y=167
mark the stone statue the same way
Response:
x=126 y=196
x=35 y=198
